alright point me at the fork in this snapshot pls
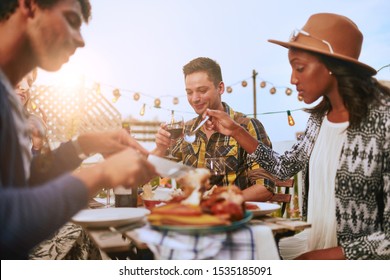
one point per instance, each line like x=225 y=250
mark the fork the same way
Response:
x=190 y=137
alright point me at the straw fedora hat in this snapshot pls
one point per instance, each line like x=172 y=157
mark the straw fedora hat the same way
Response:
x=332 y=35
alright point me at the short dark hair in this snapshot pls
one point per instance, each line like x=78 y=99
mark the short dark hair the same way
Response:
x=8 y=7
x=205 y=64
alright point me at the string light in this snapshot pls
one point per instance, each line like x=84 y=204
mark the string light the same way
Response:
x=290 y=119
x=142 y=112
x=157 y=103
x=288 y=91
x=96 y=87
x=116 y=94
x=136 y=96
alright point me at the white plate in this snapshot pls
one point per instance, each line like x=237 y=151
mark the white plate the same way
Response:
x=106 y=217
x=168 y=168
x=265 y=208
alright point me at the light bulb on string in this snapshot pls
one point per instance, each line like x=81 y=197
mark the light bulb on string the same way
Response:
x=136 y=96
x=263 y=84
x=272 y=90
x=229 y=89
x=157 y=103
x=290 y=119
x=116 y=94
x=175 y=101
x=244 y=83
x=300 y=97
x=142 y=112
x=288 y=91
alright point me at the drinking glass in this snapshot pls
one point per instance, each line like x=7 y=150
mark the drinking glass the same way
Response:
x=108 y=197
x=217 y=170
x=105 y=193
x=175 y=126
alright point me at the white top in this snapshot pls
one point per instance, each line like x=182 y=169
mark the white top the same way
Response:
x=323 y=165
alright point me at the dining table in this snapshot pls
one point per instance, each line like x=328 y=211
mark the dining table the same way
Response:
x=256 y=238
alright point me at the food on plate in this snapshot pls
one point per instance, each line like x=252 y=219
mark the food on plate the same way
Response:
x=223 y=206
x=251 y=206
x=184 y=214
x=194 y=183
x=147 y=193
x=226 y=202
x=178 y=209
x=199 y=220
x=197 y=205
x=150 y=204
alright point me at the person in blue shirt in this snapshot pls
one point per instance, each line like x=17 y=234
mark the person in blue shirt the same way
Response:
x=34 y=202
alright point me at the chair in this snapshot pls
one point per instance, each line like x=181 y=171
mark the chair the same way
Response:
x=282 y=190
x=283 y=194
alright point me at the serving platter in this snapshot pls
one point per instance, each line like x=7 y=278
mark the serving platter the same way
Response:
x=192 y=230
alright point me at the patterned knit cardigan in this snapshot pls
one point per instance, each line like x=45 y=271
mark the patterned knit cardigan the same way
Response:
x=362 y=187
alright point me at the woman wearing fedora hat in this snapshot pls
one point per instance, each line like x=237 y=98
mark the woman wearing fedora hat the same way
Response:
x=344 y=154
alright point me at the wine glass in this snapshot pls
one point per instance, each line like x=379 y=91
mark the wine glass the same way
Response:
x=108 y=197
x=175 y=126
x=217 y=170
x=105 y=193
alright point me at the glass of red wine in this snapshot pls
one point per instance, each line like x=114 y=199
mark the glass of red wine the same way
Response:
x=217 y=170
x=175 y=126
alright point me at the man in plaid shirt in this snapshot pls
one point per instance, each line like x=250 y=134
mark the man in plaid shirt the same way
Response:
x=204 y=87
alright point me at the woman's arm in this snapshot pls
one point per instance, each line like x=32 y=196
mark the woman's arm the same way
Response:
x=221 y=122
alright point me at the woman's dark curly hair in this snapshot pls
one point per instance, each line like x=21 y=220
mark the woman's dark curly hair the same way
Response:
x=357 y=88
x=8 y=7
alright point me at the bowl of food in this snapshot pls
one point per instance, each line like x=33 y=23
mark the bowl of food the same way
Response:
x=155 y=196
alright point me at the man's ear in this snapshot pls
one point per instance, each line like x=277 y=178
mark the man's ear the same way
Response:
x=27 y=7
x=221 y=87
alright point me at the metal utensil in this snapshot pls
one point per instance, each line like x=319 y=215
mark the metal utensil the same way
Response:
x=168 y=168
x=190 y=137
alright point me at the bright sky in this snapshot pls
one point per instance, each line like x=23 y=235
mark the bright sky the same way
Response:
x=142 y=45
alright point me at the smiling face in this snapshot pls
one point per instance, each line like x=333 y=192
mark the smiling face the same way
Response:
x=310 y=76
x=54 y=33
x=202 y=93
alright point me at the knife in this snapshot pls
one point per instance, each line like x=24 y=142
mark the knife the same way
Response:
x=168 y=168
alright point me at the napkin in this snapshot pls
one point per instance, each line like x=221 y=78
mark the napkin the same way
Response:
x=246 y=243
